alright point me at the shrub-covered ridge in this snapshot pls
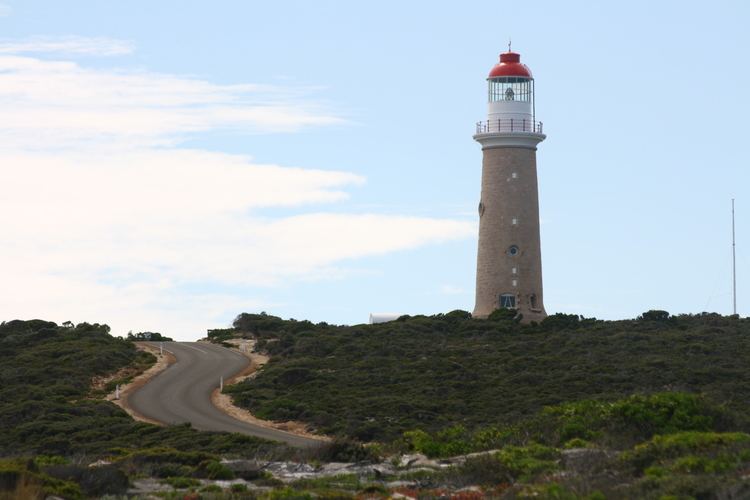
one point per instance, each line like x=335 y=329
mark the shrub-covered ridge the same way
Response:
x=373 y=382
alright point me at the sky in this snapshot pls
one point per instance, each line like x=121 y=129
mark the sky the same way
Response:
x=166 y=165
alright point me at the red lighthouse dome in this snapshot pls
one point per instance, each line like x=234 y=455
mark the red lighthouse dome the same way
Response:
x=510 y=65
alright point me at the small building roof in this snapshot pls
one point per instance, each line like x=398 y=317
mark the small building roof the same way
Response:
x=383 y=317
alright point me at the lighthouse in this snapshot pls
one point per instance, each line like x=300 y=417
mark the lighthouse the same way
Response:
x=509 y=258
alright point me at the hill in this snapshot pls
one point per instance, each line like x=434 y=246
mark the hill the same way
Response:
x=654 y=407
x=46 y=406
x=374 y=382
x=48 y=411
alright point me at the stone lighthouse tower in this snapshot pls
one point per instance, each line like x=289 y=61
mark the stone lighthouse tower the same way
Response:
x=509 y=260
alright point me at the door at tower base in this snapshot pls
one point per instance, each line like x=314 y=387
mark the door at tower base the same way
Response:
x=509 y=259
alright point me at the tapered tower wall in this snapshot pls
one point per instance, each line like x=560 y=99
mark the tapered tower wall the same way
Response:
x=509 y=218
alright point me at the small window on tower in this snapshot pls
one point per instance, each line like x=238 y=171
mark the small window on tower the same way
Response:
x=514 y=175
x=512 y=250
x=514 y=282
x=514 y=270
x=514 y=221
x=533 y=303
x=481 y=208
x=508 y=301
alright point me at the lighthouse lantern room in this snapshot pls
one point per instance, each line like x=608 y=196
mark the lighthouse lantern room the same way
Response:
x=510 y=96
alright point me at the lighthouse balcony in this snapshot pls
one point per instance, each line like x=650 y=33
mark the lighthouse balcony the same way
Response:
x=509 y=125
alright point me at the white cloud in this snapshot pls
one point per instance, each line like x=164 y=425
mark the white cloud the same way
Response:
x=105 y=218
x=71 y=45
x=61 y=104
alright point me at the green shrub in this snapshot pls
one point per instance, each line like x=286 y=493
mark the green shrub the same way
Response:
x=660 y=449
x=42 y=460
x=503 y=314
x=551 y=491
x=289 y=494
x=374 y=489
x=482 y=470
x=525 y=462
x=561 y=321
x=182 y=483
x=213 y=469
x=629 y=420
x=449 y=442
x=171 y=470
x=576 y=443
x=654 y=315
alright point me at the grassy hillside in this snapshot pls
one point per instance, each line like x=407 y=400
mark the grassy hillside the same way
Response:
x=442 y=386
x=45 y=406
x=374 y=382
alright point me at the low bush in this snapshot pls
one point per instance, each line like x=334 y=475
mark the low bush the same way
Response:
x=238 y=488
x=455 y=440
x=707 y=450
x=93 y=481
x=483 y=470
x=182 y=483
x=630 y=420
x=525 y=462
x=17 y=480
x=212 y=469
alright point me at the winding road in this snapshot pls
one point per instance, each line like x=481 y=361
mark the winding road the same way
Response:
x=182 y=393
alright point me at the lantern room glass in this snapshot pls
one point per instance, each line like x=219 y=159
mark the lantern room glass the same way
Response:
x=510 y=88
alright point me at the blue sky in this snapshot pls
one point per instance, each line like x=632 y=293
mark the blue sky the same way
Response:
x=174 y=163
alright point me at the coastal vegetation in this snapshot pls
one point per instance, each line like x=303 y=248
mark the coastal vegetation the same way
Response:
x=572 y=407
x=47 y=409
x=375 y=382
x=424 y=407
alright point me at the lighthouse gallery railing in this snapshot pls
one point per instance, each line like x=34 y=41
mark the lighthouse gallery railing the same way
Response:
x=509 y=125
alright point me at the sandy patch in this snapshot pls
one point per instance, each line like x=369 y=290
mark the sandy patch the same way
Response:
x=224 y=402
x=162 y=363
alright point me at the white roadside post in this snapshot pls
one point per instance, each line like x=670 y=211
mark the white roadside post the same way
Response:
x=117 y=391
x=161 y=348
x=221 y=383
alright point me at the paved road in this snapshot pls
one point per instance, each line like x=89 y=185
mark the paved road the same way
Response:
x=182 y=392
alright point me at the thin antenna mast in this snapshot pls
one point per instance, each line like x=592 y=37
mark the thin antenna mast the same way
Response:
x=734 y=267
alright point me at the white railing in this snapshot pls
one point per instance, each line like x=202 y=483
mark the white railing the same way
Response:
x=509 y=125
